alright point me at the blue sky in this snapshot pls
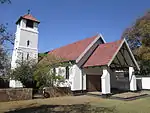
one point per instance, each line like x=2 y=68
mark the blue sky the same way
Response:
x=66 y=21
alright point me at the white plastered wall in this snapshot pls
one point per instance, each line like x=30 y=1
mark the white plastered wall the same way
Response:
x=76 y=76
x=132 y=79
x=105 y=79
x=15 y=84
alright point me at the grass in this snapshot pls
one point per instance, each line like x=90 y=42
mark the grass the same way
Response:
x=136 y=106
x=76 y=104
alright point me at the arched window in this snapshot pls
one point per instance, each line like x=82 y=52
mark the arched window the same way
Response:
x=28 y=43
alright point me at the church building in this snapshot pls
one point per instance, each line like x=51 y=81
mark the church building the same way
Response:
x=96 y=64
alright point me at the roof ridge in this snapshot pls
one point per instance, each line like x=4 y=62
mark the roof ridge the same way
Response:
x=74 y=42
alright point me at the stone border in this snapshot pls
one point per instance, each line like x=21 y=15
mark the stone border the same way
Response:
x=130 y=98
x=15 y=94
x=120 y=98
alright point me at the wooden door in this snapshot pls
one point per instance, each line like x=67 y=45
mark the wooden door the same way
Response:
x=93 y=82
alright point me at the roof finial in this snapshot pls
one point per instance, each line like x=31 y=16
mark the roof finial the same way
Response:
x=28 y=11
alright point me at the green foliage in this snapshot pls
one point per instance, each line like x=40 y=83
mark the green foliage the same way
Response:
x=144 y=68
x=4 y=62
x=139 y=33
x=42 y=55
x=46 y=78
x=42 y=73
x=138 y=37
x=24 y=72
x=45 y=74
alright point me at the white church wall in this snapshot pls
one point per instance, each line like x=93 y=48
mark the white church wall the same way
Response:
x=15 y=84
x=61 y=71
x=75 y=77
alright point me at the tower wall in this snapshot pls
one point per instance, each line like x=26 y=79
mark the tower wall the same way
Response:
x=26 y=43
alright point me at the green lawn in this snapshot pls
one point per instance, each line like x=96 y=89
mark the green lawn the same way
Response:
x=136 y=106
x=76 y=104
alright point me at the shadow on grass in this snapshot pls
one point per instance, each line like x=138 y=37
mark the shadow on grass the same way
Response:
x=77 y=108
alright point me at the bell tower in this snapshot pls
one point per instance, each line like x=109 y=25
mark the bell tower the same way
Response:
x=26 y=40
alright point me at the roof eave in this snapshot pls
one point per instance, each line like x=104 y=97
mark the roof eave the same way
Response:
x=115 y=53
x=132 y=55
x=21 y=17
x=19 y=20
x=95 y=66
x=124 y=41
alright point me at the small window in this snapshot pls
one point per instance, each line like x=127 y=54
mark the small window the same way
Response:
x=29 y=24
x=67 y=72
x=27 y=56
x=28 y=43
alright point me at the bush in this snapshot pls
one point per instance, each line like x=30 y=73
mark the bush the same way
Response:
x=24 y=73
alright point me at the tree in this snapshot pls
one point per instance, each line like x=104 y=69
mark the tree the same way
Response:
x=45 y=74
x=5 y=38
x=41 y=56
x=4 y=63
x=138 y=37
x=46 y=77
x=24 y=72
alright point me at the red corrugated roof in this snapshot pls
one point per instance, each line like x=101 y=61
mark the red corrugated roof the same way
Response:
x=103 y=54
x=29 y=17
x=74 y=50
